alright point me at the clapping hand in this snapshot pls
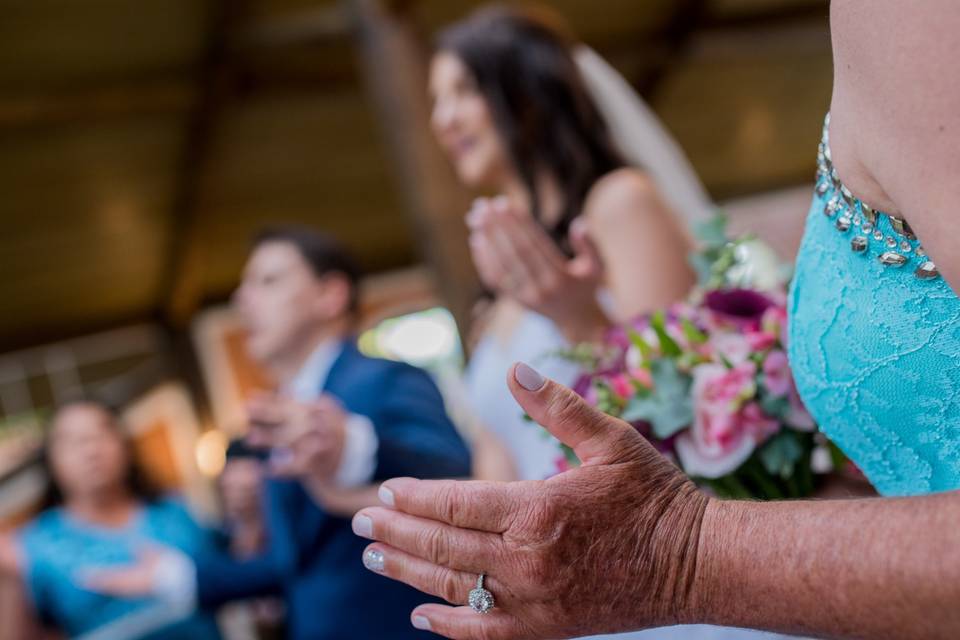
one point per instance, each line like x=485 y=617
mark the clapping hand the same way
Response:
x=515 y=257
x=306 y=438
x=609 y=546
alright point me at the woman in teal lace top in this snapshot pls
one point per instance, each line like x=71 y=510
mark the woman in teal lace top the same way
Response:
x=626 y=542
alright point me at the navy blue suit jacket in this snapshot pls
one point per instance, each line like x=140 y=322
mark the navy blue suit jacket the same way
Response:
x=313 y=558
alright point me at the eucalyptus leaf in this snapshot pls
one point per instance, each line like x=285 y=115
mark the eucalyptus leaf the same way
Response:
x=775 y=407
x=702 y=265
x=781 y=453
x=669 y=408
x=712 y=232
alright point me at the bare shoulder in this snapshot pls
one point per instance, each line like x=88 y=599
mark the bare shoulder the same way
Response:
x=622 y=192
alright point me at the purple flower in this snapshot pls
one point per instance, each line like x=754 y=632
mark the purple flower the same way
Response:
x=741 y=307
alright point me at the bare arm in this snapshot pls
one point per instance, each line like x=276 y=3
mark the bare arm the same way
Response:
x=643 y=247
x=19 y=623
x=874 y=568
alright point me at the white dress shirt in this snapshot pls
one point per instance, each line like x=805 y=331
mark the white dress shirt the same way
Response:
x=358 y=461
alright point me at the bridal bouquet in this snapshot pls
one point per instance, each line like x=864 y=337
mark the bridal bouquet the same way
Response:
x=707 y=380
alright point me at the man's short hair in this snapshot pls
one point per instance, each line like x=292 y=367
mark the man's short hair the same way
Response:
x=321 y=251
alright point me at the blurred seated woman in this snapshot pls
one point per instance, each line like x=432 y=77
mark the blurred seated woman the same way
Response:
x=99 y=512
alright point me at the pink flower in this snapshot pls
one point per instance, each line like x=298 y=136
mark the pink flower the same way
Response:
x=642 y=376
x=717 y=388
x=621 y=386
x=590 y=396
x=798 y=417
x=562 y=464
x=757 y=423
x=727 y=424
x=761 y=340
x=731 y=346
x=776 y=374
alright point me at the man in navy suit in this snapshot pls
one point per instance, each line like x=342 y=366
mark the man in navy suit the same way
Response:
x=340 y=421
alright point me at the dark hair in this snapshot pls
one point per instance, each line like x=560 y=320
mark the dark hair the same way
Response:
x=137 y=480
x=322 y=252
x=522 y=64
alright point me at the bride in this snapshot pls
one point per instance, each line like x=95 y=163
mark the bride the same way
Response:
x=572 y=235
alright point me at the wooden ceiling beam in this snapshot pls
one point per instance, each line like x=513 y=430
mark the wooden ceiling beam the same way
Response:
x=160 y=97
x=306 y=27
x=394 y=63
x=182 y=289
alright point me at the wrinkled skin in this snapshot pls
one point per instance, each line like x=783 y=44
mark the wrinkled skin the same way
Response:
x=609 y=546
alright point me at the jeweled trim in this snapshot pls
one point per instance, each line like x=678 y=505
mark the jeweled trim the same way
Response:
x=850 y=215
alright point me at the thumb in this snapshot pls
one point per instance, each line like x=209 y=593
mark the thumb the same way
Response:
x=586 y=257
x=594 y=436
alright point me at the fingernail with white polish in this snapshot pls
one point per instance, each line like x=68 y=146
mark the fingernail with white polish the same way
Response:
x=419 y=622
x=528 y=378
x=373 y=560
x=386 y=496
x=363 y=526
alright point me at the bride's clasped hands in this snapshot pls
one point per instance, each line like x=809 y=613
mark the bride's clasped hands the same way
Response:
x=609 y=546
x=516 y=258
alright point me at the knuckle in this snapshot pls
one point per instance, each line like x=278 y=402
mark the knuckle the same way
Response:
x=434 y=541
x=446 y=501
x=566 y=406
x=447 y=585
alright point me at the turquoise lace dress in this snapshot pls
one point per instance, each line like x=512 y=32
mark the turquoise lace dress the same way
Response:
x=874 y=342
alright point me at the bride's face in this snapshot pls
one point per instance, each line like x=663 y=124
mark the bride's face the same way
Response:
x=462 y=122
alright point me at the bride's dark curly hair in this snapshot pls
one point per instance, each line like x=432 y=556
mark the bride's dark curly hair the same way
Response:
x=522 y=64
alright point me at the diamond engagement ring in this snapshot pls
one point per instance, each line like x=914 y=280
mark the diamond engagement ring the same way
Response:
x=480 y=599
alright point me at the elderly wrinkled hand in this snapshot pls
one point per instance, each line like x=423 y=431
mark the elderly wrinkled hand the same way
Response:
x=608 y=546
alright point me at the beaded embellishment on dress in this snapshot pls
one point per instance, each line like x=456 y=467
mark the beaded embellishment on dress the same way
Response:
x=874 y=349
x=895 y=249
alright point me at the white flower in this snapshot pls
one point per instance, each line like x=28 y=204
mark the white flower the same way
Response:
x=757 y=267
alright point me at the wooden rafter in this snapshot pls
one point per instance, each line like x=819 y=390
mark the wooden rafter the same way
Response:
x=394 y=64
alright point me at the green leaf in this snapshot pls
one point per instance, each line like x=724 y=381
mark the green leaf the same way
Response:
x=668 y=346
x=781 y=453
x=646 y=351
x=691 y=332
x=837 y=456
x=712 y=232
x=775 y=407
x=702 y=264
x=570 y=456
x=669 y=408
